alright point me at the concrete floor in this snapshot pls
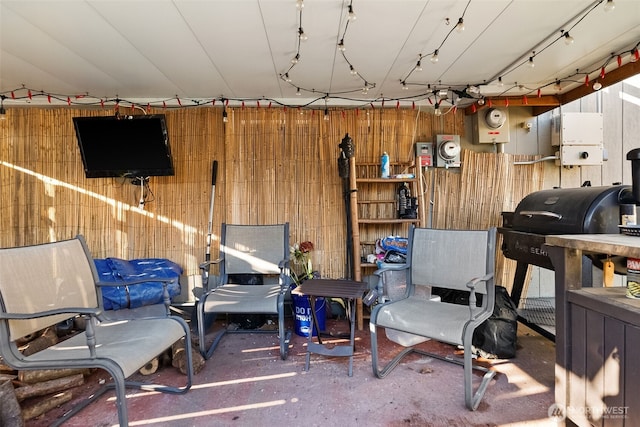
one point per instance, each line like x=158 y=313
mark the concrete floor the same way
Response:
x=246 y=383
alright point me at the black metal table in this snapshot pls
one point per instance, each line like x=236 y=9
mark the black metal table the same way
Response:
x=337 y=288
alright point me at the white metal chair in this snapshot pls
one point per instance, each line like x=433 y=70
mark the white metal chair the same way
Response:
x=461 y=260
x=247 y=250
x=43 y=285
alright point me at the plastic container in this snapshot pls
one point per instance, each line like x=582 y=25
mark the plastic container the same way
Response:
x=303 y=321
x=384 y=165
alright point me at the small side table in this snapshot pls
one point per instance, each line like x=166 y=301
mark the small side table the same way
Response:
x=339 y=288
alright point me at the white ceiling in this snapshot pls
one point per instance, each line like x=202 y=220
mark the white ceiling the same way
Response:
x=145 y=51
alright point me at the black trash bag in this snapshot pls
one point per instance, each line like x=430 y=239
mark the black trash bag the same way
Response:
x=496 y=337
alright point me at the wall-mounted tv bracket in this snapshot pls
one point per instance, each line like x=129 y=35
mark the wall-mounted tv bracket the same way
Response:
x=143 y=182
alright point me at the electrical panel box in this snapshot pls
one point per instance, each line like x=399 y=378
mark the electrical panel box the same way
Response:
x=580 y=155
x=577 y=129
x=579 y=138
x=424 y=154
x=448 y=151
x=491 y=126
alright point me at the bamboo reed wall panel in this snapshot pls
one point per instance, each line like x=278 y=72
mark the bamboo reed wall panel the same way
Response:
x=275 y=165
x=474 y=197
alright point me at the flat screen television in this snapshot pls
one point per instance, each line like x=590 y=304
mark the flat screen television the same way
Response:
x=124 y=146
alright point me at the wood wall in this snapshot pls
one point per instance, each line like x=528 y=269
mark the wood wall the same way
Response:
x=276 y=165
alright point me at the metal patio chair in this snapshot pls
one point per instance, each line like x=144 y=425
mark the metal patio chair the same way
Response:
x=43 y=285
x=247 y=251
x=459 y=260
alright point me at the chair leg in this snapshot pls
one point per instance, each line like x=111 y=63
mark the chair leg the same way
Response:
x=382 y=372
x=283 y=333
x=472 y=400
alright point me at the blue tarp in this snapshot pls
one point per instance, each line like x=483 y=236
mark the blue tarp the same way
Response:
x=115 y=270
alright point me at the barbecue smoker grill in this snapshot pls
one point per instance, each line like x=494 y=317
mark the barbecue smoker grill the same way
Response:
x=584 y=210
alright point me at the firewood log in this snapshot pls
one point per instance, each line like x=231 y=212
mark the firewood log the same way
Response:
x=46 y=340
x=40 y=375
x=42 y=406
x=10 y=415
x=179 y=358
x=48 y=387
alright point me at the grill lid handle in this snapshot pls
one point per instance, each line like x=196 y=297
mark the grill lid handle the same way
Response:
x=545 y=214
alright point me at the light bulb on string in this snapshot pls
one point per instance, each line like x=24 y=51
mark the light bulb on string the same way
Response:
x=609 y=6
x=299 y=4
x=287 y=78
x=531 y=63
x=434 y=57
x=418 y=66
x=460 y=25
x=404 y=86
x=597 y=86
x=341 y=46
x=500 y=83
x=437 y=110
x=301 y=34
x=568 y=40
x=353 y=71
x=298 y=92
x=351 y=16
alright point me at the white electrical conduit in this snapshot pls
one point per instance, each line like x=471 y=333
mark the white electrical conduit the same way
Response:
x=531 y=162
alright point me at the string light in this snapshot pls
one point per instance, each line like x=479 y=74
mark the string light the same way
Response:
x=460 y=25
x=301 y=34
x=568 y=40
x=341 y=47
x=351 y=16
x=530 y=63
x=609 y=6
x=634 y=56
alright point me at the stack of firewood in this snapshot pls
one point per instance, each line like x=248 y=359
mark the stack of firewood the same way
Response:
x=25 y=395
x=36 y=391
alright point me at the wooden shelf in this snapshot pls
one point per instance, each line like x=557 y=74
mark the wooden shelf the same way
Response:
x=374 y=214
x=387 y=221
x=386 y=180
